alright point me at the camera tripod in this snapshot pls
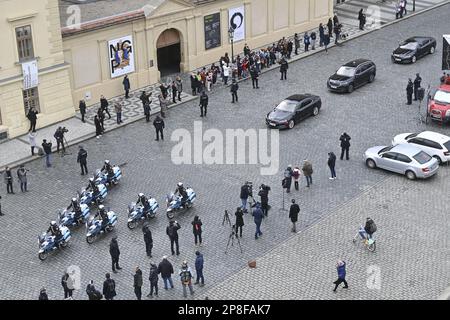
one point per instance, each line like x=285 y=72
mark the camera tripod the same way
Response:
x=233 y=235
x=226 y=218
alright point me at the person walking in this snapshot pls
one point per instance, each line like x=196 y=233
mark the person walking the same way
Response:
x=313 y=40
x=330 y=27
x=67 y=284
x=164 y=90
x=147 y=111
x=153 y=278
x=284 y=66
x=345 y=145
x=82 y=108
x=186 y=278
x=145 y=98
x=321 y=35
x=115 y=254
x=197 y=230
x=22 y=177
x=126 y=86
x=82 y=160
x=335 y=20
x=179 y=84
x=32 y=139
x=257 y=218
x=159 y=125
x=307 y=172
x=59 y=136
x=288 y=178
x=254 y=75
x=417 y=82
x=118 y=110
x=293 y=214
x=174 y=92
x=199 y=269
x=203 y=104
x=337 y=32
x=362 y=19
x=193 y=78
x=234 y=89
x=340 y=266
x=239 y=222
x=7 y=176
x=290 y=47
x=148 y=239
x=98 y=127
x=137 y=283
x=32 y=116
x=296 y=176
x=47 y=147
x=409 y=92
x=101 y=118
x=172 y=233
x=163 y=105
x=306 y=41
x=297 y=43
x=165 y=268
x=331 y=164
x=104 y=106
x=326 y=41
x=109 y=288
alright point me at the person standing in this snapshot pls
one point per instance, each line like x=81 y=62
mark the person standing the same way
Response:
x=64 y=279
x=254 y=74
x=239 y=223
x=226 y=73
x=147 y=111
x=109 y=288
x=203 y=104
x=409 y=92
x=193 y=78
x=92 y=292
x=288 y=178
x=82 y=160
x=118 y=110
x=417 y=82
x=293 y=214
x=337 y=31
x=47 y=147
x=362 y=19
x=174 y=92
x=199 y=268
x=43 y=294
x=148 y=239
x=321 y=34
x=345 y=145
x=290 y=47
x=257 y=218
x=98 y=127
x=331 y=164
x=284 y=66
x=1 y=213
x=330 y=27
x=234 y=89
x=32 y=116
x=244 y=196
x=165 y=268
x=335 y=20
x=82 y=107
x=22 y=176
x=101 y=118
x=137 y=283
x=32 y=138
x=159 y=125
x=153 y=278
x=145 y=98
x=115 y=254
x=313 y=40
x=197 y=230
x=306 y=41
x=164 y=90
x=172 y=233
x=126 y=86
x=186 y=278
x=326 y=41
x=307 y=172
x=179 y=84
x=59 y=136
x=264 y=195
x=104 y=106
x=340 y=266
x=7 y=176
x=297 y=43
x=296 y=176
x=163 y=105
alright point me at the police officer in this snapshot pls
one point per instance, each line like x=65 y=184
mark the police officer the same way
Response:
x=92 y=186
x=182 y=191
x=108 y=168
x=142 y=199
x=81 y=159
x=417 y=82
x=159 y=126
x=103 y=216
x=409 y=91
x=55 y=231
x=203 y=104
x=75 y=206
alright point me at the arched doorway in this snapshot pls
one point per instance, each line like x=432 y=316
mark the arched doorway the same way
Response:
x=168 y=49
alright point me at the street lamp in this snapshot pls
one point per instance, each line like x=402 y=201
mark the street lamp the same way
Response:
x=231 y=36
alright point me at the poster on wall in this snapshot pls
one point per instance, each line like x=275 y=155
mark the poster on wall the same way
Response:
x=30 y=74
x=121 y=56
x=446 y=52
x=236 y=20
x=212 y=31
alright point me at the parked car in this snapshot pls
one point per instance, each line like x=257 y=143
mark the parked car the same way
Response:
x=404 y=159
x=352 y=75
x=413 y=48
x=435 y=144
x=292 y=110
x=439 y=104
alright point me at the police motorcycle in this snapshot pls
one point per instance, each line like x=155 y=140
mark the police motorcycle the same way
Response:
x=174 y=203
x=48 y=244
x=67 y=218
x=136 y=213
x=89 y=198
x=103 y=177
x=95 y=226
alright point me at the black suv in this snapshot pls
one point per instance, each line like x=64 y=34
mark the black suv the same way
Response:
x=352 y=75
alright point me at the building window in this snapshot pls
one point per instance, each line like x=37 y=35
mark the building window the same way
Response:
x=24 y=43
x=31 y=99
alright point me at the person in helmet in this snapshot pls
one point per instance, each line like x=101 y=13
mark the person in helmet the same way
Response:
x=108 y=169
x=76 y=208
x=92 y=186
x=55 y=231
x=103 y=216
x=182 y=192
x=142 y=199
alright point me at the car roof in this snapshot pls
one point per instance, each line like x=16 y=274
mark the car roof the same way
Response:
x=356 y=62
x=406 y=149
x=300 y=97
x=419 y=38
x=435 y=136
x=445 y=87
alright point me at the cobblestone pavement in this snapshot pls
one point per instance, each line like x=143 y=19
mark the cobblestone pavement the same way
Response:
x=372 y=115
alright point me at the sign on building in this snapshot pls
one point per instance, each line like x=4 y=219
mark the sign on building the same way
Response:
x=446 y=52
x=30 y=74
x=236 y=20
x=121 y=56
x=212 y=31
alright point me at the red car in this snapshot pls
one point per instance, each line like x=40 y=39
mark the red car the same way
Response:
x=439 y=104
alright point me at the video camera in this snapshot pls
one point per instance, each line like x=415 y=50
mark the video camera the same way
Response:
x=64 y=129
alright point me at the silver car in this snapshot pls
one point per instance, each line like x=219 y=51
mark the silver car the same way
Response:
x=403 y=159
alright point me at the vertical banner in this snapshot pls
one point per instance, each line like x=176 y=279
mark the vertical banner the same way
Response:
x=236 y=20
x=212 y=31
x=446 y=52
x=121 y=56
x=30 y=74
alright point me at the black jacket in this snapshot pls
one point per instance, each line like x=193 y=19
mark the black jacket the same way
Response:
x=114 y=249
x=138 y=278
x=204 y=100
x=104 y=103
x=47 y=146
x=417 y=82
x=159 y=123
x=284 y=66
x=293 y=212
x=409 y=88
x=244 y=192
x=165 y=268
x=345 y=140
x=331 y=160
x=32 y=115
x=148 y=237
x=109 y=291
x=82 y=156
x=239 y=218
x=82 y=107
x=197 y=226
x=153 y=277
x=254 y=73
x=172 y=230
x=234 y=87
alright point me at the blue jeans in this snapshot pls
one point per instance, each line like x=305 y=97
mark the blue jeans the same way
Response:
x=258 y=229
x=165 y=279
x=200 y=276
x=308 y=180
x=119 y=117
x=244 y=204
x=47 y=160
x=333 y=172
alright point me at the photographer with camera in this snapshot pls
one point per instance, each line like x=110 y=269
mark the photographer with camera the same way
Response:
x=59 y=136
x=246 y=191
x=22 y=176
x=264 y=195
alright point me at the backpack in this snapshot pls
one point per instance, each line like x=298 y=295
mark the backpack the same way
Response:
x=185 y=276
x=111 y=286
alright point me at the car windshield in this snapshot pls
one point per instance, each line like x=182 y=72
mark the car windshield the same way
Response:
x=422 y=157
x=346 y=71
x=409 y=45
x=442 y=96
x=385 y=149
x=412 y=135
x=447 y=145
x=287 y=106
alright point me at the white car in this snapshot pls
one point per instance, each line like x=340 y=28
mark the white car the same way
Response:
x=435 y=144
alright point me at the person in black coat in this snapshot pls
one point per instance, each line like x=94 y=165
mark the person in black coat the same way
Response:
x=165 y=268
x=330 y=27
x=331 y=164
x=244 y=196
x=293 y=214
x=239 y=223
x=109 y=288
x=43 y=294
x=234 y=89
x=159 y=125
x=345 y=145
x=203 y=104
x=32 y=116
x=362 y=19
x=254 y=75
x=417 y=82
x=148 y=240
x=163 y=90
x=115 y=253
x=264 y=195
x=47 y=147
x=174 y=92
x=321 y=34
x=409 y=92
x=172 y=232
x=104 y=105
x=153 y=278
x=284 y=66
x=197 y=230
x=82 y=107
x=98 y=127
x=82 y=160
x=126 y=86
x=193 y=78
x=101 y=118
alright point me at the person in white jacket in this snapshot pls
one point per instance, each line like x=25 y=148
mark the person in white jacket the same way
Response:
x=32 y=138
x=226 y=73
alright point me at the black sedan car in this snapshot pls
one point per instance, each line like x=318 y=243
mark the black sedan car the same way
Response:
x=413 y=48
x=352 y=75
x=293 y=109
